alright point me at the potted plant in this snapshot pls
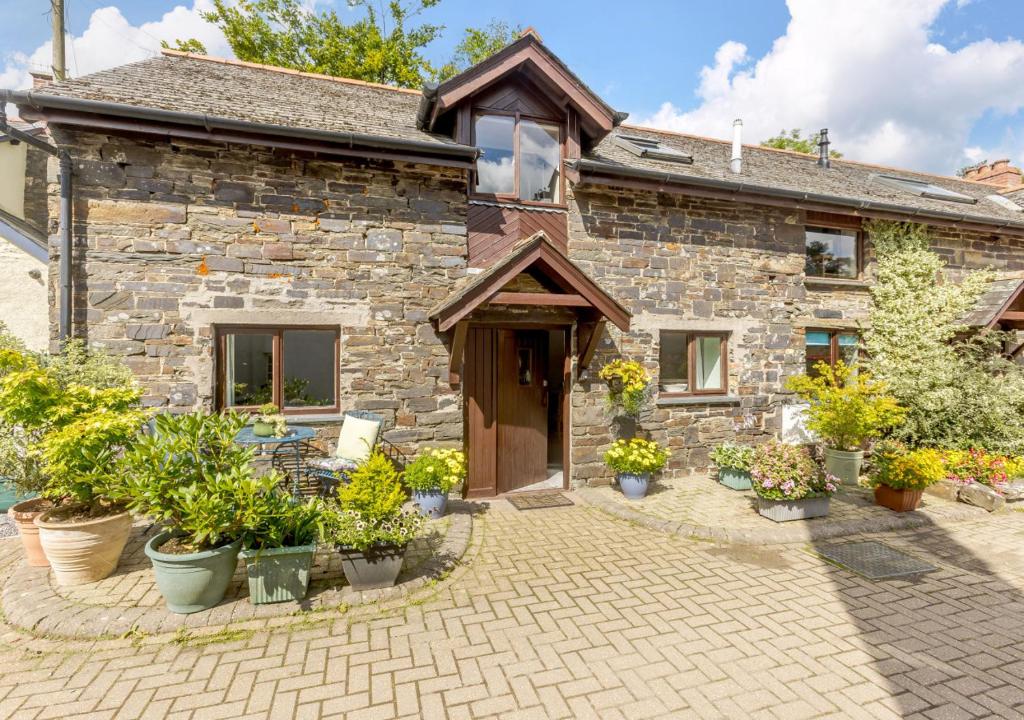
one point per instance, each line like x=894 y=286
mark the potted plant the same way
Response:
x=901 y=475
x=431 y=477
x=733 y=463
x=269 y=422
x=788 y=484
x=190 y=476
x=70 y=434
x=23 y=480
x=368 y=526
x=634 y=461
x=279 y=545
x=628 y=385
x=847 y=407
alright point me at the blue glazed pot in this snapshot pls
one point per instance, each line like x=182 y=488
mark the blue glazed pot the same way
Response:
x=431 y=503
x=634 y=486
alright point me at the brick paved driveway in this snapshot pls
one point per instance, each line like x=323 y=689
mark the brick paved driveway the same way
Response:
x=568 y=612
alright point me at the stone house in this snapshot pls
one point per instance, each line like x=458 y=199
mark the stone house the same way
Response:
x=463 y=259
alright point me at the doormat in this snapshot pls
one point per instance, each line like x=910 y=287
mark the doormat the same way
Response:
x=538 y=501
x=874 y=560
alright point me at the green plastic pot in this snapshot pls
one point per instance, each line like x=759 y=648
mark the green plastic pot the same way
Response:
x=194 y=581
x=844 y=464
x=262 y=429
x=278 y=574
x=733 y=478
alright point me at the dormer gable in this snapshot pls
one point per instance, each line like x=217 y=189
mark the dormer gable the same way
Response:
x=526 y=66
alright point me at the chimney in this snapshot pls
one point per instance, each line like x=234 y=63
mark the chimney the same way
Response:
x=1001 y=172
x=40 y=79
x=823 y=143
x=736 y=163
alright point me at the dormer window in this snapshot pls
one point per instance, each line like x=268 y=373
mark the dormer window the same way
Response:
x=520 y=158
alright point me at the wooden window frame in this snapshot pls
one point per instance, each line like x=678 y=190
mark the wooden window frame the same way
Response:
x=277 y=366
x=691 y=363
x=833 y=342
x=858 y=248
x=514 y=197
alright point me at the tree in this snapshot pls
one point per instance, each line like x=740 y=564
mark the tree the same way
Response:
x=190 y=46
x=959 y=390
x=793 y=140
x=479 y=44
x=384 y=46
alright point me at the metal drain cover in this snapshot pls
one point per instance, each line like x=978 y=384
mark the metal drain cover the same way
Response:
x=874 y=560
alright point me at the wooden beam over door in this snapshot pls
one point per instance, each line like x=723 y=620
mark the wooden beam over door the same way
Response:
x=458 y=349
x=588 y=336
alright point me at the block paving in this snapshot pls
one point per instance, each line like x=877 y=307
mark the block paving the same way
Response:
x=571 y=613
x=700 y=506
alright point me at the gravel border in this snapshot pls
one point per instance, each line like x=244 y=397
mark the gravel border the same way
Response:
x=781 y=533
x=30 y=603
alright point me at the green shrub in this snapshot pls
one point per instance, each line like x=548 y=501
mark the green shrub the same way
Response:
x=369 y=512
x=277 y=520
x=636 y=456
x=733 y=456
x=190 y=475
x=847 y=407
x=903 y=469
x=437 y=469
x=780 y=471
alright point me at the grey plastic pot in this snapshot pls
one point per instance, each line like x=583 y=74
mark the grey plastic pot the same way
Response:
x=431 y=503
x=844 y=464
x=634 y=485
x=733 y=478
x=194 y=581
x=374 y=568
x=278 y=574
x=786 y=510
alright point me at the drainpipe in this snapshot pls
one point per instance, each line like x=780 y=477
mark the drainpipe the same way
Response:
x=64 y=326
x=736 y=163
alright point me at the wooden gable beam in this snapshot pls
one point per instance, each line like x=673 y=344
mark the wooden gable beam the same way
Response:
x=458 y=349
x=588 y=336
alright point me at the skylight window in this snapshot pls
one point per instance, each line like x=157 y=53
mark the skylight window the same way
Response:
x=650 y=148
x=1005 y=202
x=924 y=189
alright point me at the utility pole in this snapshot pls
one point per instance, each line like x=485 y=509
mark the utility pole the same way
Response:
x=57 y=11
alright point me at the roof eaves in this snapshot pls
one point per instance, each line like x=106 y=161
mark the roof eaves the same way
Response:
x=594 y=167
x=438 y=147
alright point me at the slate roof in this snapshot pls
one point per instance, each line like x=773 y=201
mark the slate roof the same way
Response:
x=244 y=91
x=798 y=172
x=996 y=297
x=252 y=93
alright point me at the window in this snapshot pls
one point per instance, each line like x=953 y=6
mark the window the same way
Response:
x=924 y=189
x=829 y=346
x=831 y=252
x=1005 y=202
x=693 y=363
x=520 y=159
x=296 y=368
x=651 y=148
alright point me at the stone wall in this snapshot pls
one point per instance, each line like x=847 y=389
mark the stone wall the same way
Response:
x=684 y=263
x=173 y=238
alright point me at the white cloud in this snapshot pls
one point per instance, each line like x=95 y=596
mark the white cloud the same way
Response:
x=110 y=40
x=868 y=71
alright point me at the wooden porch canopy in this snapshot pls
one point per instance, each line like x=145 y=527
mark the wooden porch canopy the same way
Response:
x=566 y=287
x=1000 y=306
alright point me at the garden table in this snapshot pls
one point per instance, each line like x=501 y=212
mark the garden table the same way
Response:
x=294 y=435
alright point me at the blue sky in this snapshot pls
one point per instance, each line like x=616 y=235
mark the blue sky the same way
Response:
x=932 y=84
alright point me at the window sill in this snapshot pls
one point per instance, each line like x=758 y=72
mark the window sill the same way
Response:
x=315 y=418
x=684 y=400
x=835 y=283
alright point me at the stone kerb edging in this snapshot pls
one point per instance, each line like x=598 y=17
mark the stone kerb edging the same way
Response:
x=782 y=533
x=30 y=603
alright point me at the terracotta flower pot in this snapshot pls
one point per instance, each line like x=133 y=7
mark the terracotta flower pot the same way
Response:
x=24 y=515
x=83 y=551
x=898 y=500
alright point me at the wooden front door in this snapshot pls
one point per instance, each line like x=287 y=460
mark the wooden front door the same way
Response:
x=506 y=409
x=522 y=408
